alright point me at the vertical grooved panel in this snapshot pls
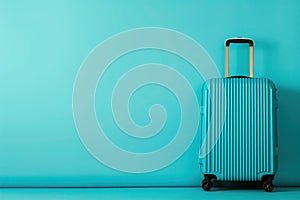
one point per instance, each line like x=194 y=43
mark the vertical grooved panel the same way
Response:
x=254 y=127
x=244 y=151
x=259 y=136
x=267 y=126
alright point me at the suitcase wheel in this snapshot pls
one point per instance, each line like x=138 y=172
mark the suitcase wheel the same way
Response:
x=267 y=183
x=207 y=183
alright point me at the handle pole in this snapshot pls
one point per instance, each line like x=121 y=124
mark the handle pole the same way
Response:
x=227 y=62
x=251 y=62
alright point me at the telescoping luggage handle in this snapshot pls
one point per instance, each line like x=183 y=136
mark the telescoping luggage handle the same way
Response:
x=239 y=40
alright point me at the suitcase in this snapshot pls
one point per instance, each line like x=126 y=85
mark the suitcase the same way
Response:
x=239 y=127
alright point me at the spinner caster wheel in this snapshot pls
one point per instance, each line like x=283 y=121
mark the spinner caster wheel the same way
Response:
x=268 y=183
x=268 y=186
x=206 y=184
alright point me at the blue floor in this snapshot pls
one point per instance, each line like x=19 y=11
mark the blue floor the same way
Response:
x=148 y=193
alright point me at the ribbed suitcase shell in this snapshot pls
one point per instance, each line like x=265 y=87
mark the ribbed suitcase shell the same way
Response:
x=247 y=147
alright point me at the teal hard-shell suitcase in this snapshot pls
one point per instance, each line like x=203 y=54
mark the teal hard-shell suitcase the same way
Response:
x=239 y=131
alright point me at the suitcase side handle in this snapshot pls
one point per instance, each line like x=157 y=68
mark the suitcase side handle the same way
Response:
x=239 y=40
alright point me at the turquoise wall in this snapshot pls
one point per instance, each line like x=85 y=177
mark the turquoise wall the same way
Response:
x=43 y=44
